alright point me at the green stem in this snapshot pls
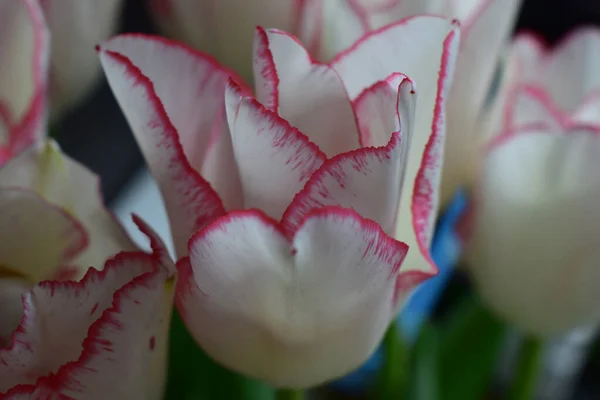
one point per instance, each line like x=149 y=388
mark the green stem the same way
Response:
x=394 y=367
x=528 y=368
x=290 y=394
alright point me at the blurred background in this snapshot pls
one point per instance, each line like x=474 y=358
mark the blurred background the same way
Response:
x=95 y=133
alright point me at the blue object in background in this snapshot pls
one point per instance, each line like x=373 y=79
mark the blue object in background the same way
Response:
x=445 y=250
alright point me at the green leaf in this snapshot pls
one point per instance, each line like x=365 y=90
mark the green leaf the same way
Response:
x=192 y=375
x=394 y=372
x=470 y=346
x=424 y=381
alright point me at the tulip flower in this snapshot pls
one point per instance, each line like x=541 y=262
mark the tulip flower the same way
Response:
x=76 y=27
x=24 y=52
x=285 y=206
x=550 y=84
x=104 y=337
x=534 y=244
x=61 y=212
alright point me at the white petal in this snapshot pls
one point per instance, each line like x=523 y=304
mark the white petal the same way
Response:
x=67 y=184
x=368 y=180
x=76 y=27
x=534 y=252
x=306 y=93
x=37 y=238
x=485 y=29
x=424 y=48
x=190 y=201
x=274 y=159
x=294 y=314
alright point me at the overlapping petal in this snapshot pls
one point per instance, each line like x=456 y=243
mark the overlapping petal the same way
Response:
x=534 y=250
x=562 y=79
x=104 y=336
x=224 y=28
x=430 y=66
x=282 y=309
x=66 y=184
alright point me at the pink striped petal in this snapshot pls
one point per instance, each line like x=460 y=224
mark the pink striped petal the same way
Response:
x=24 y=53
x=376 y=110
x=103 y=337
x=65 y=183
x=161 y=109
x=306 y=93
x=36 y=237
x=429 y=63
x=368 y=180
x=274 y=159
x=294 y=313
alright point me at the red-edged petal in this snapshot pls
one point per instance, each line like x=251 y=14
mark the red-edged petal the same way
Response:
x=11 y=306
x=294 y=314
x=156 y=115
x=24 y=53
x=532 y=104
x=57 y=318
x=308 y=94
x=429 y=61
x=36 y=237
x=60 y=180
x=127 y=310
x=274 y=159
x=368 y=180
x=377 y=112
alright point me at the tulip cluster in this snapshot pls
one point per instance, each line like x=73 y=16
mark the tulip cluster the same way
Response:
x=303 y=150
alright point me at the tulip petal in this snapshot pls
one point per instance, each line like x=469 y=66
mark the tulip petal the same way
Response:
x=377 y=111
x=24 y=52
x=57 y=317
x=368 y=180
x=224 y=28
x=190 y=200
x=485 y=29
x=11 y=306
x=30 y=222
x=430 y=65
x=76 y=27
x=536 y=226
x=306 y=93
x=533 y=105
x=292 y=313
x=127 y=310
x=577 y=57
x=44 y=169
x=274 y=159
